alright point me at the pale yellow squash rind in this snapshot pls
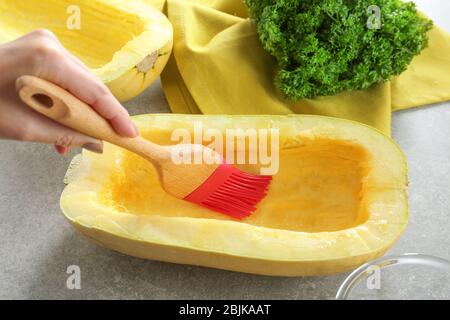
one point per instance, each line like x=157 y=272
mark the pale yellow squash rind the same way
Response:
x=239 y=246
x=114 y=39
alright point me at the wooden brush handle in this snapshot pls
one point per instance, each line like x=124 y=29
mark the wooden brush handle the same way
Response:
x=61 y=106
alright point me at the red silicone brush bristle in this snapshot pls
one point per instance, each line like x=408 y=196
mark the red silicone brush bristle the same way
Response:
x=231 y=191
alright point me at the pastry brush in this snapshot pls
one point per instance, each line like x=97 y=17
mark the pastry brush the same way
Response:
x=213 y=184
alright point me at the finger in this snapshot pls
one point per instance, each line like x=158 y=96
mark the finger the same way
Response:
x=43 y=35
x=67 y=52
x=36 y=127
x=47 y=131
x=82 y=84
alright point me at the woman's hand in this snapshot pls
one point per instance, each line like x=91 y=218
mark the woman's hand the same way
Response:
x=39 y=53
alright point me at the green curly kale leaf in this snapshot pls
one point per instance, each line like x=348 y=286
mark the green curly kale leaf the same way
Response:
x=324 y=47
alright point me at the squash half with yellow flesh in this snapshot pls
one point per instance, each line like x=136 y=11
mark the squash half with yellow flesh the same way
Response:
x=338 y=200
x=125 y=43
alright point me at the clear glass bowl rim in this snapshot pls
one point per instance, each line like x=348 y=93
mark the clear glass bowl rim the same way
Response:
x=365 y=270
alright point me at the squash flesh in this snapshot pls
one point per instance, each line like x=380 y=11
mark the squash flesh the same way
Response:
x=352 y=207
x=88 y=43
x=114 y=37
x=318 y=188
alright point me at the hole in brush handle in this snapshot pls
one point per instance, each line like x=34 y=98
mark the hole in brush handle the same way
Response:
x=50 y=106
x=43 y=100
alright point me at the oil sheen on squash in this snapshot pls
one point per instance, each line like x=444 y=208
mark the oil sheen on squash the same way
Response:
x=319 y=187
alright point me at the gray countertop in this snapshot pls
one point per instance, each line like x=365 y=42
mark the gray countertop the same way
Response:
x=38 y=244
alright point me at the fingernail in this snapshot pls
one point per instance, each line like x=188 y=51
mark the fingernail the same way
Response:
x=94 y=147
x=62 y=150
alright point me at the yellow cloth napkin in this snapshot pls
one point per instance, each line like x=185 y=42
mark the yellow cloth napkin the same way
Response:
x=218 y=66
